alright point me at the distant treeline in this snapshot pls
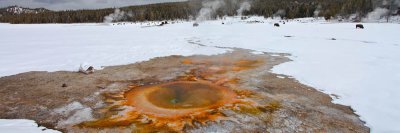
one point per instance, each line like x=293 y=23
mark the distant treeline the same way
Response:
x=189 y=10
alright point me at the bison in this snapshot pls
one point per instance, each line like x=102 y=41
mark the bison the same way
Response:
x=195 y=24
x=162 y=24
x=359 y=26
x=276 y=25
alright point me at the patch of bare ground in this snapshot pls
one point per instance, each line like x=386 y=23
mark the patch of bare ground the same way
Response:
x=264 y=101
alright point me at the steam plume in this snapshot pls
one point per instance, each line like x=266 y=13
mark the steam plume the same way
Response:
x=280 y=13
x=209 y=9
x=116 y=16
x=376 y=15
x=245 y=6
x=317 y=11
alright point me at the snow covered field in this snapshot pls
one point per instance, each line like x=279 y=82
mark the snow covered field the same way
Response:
x=360 y=66
x=22 y=126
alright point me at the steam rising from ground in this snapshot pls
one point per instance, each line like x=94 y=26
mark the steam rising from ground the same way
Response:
x=116 y=16
x=376 y=15
x=209 y=9
x=380 y=13
x=317 y=11
x=280 y=13
x=245 y=6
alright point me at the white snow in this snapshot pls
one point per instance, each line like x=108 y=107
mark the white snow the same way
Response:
x=21 y=10
x=55 y=47
x=281 y=77
x=361 y=66
x=22 y=126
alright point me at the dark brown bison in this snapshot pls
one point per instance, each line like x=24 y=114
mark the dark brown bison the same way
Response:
x=359 y=26
x=162 y=24
x=276 y=25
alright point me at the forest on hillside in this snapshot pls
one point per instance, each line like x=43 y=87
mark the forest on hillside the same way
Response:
x=189 y=10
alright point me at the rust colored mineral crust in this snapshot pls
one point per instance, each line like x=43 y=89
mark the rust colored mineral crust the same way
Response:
x=173 y=105
x=179 y=99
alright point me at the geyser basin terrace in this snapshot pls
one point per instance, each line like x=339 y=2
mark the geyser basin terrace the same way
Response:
x=231 y=92
x=170 y=106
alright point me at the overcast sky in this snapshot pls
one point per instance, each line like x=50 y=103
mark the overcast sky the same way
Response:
x=78 y=4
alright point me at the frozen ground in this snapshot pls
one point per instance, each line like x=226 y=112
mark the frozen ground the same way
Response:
x=360 y=66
